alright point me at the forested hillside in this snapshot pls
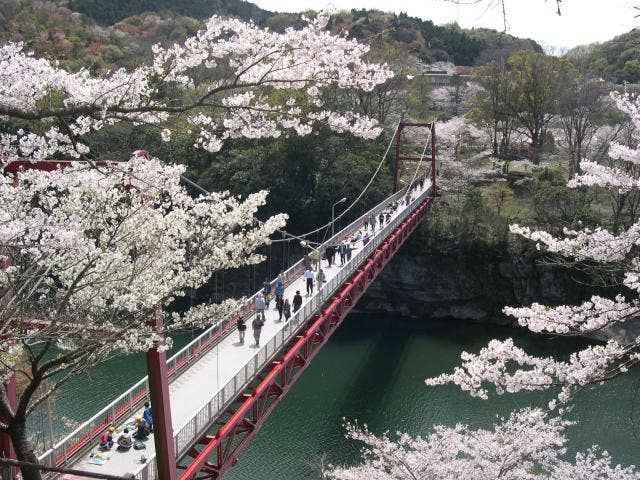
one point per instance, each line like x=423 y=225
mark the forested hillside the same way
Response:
x=102 y=35
x=617 y=60
x=112 y=11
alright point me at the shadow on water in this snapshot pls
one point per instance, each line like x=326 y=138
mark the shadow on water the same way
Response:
x=378 y=370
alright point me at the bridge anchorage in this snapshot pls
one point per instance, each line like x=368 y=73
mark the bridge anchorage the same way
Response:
x=213 y=385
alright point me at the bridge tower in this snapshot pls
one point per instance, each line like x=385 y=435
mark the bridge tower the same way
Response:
x=431 y=130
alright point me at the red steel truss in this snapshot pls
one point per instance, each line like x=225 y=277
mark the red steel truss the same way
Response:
x=431 y=127
x=214 y=455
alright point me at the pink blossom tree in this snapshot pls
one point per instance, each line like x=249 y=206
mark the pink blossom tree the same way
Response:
x=88 y=253
x=530 y=444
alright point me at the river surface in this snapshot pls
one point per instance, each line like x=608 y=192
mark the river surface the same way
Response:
x=373 y=370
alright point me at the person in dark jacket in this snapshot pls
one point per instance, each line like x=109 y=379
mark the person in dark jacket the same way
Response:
x=143 y=430
x=242 y=328
x=342 y=250
x=257 y=324
x=286 y=309
x=279 y=307
x=297 y=301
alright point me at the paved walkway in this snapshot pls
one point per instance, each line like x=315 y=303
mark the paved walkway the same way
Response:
x=204 y=378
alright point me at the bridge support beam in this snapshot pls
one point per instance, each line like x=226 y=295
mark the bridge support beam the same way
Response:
x=431 y=127
x=160 y=407
x=213 y=456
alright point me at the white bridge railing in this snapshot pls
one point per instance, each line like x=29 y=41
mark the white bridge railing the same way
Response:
x=82 y=439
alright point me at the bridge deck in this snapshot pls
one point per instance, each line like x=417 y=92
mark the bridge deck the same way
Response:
x=205 y=378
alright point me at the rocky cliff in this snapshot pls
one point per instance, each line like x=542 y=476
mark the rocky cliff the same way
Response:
x=455 y=287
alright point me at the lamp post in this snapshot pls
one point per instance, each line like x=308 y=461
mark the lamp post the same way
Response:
x=333 y=213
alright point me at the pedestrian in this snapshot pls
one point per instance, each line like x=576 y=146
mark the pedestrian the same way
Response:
x=306 y=261
x=279 y=289
x=309 y=275
x=342 y=250
x=316 y=258
x=242 y=327
x=387 y=216
x=328 y=253
x=257 y=324
x=259 y=305
x=286 y=309
x=348 y=249
x=365 y=225
x=279 y=307
x=365 y=238
x=147 y=414
x=372 y=222
x=381 y=219
x=297 y=301
x=266 y=290
x=320 y=279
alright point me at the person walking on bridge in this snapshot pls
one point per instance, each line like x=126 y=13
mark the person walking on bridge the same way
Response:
x=320 y=279
x=297 y=301
x=286 y=309
x=266 y=290
x=242 y=328
x=259 y=305
x=372 y=222
x=257 y=324
x=279 y=307
x=279 y=291
x=309 y=275
x=347 y=250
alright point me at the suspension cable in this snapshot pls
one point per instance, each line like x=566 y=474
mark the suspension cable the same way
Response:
x=327 y=225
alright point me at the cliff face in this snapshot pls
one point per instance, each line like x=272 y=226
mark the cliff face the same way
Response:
x=449 y=287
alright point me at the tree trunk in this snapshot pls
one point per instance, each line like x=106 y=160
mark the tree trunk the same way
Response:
x=536 y=140
x=24 y=451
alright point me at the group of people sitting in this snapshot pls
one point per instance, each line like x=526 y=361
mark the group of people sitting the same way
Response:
x=142 y=428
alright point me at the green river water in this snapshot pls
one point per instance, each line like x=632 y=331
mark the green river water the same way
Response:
x=373 y=370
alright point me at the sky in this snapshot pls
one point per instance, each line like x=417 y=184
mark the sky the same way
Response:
x=581 y=22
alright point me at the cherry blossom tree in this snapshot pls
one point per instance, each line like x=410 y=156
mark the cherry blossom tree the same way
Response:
x=230 y=80
x=528 y=445
x=454 y=135
x=89 y=253
x=531 y=443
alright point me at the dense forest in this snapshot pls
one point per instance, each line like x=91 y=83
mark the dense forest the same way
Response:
x=617 y=60
x=107 y=34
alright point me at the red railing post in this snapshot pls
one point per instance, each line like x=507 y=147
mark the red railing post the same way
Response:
x=161 y=407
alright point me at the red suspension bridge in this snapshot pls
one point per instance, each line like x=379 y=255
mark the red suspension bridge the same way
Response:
x=211 y=397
